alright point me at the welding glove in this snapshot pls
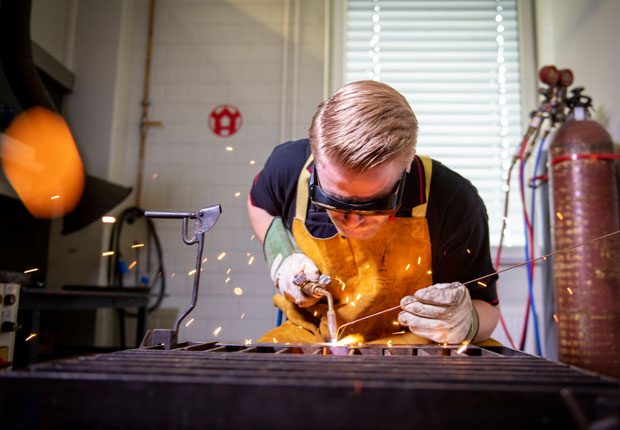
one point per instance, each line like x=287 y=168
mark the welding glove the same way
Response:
x=285 y=261
x=442 y=313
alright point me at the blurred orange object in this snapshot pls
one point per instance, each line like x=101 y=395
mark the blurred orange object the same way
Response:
x=42 y=163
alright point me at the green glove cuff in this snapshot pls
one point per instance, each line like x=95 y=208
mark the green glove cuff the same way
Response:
x=475 y=325
x=278 y=245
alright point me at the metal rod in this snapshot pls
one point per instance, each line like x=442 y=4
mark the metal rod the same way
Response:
x=175 y=215
x=192 y=305
x=482 y=277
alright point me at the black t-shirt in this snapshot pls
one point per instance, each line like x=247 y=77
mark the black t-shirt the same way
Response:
x=457 y=218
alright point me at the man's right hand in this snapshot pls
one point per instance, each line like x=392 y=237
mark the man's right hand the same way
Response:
x=293 y=265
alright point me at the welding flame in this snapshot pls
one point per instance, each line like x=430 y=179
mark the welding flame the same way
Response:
x=349 y=340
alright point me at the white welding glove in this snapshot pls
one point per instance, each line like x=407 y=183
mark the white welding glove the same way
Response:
x=442 y=313
x=292 y=265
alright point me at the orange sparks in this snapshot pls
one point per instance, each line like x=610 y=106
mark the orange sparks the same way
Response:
x=368 y=266
x=399 y=332
x=358 y=296
x=315 y=313
x=419 y=260
x=349 y=340
x=191 y=272
x=243 y=315
x=482 y=284
x=389 y=343
x=31 y=270
x=252 y=162
x=237 y=194
x=343 y=285
x=408 y=266
x=54 y=197
x=173 y=275
x=132 y=265
x=248 y=342
x=107 y=253
x=463 y=348
x=252 y=237
x=228 y=271
x=108 y=219
x=430 y=272
x=251 y=261
x=229 y=148
x=555 y=317
x=238 y=291
x=347 y=300
x=217 y=331
x=560 y=216
x=569 y=291
x=468 y=251
x=155 y=175
x=352 y=303
x=227 y=280
x=137 y=245
x=187 y=324
x=275 y=340
x=395 y=323
x=31 y=336
x=204 y=260
x=222 y=255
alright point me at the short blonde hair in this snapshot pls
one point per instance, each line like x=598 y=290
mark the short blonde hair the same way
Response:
x=363 y=125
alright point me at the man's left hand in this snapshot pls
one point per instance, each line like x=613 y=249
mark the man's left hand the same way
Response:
x=442 y=313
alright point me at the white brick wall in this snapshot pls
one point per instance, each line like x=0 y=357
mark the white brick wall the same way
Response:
x=207 y=53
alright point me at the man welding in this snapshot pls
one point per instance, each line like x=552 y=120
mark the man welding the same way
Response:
x=389 y=227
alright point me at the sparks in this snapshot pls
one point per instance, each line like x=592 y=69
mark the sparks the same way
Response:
x=229 y=148
x=31 y=270
x=462 y=348
x=275 y=340
x=347 y=300
x=54 y=197
x=419 y=260
x=252 y=162
x=248 y=341
x=238 y=291
x=430 y=272
x=408 y=266
x=108 y=219
x=237 y=194
x=222 y=255
x=31 y=336
x=187 y=324
x=243 y=315
x=358 y=296
x=252 y=237
x=560 y=216
x=137 y=245
x=482 y=284
x=468 y=251
x=368 y=266
x=107 y=253
x=227 y=280
x=217 y=331
x=389 y=343
x=352 y=303
x=155 y=175
x=132 y=265
x=191 y=272
x=173 y=275
x=228 y=271
x=569 y=291
x=349 y=340
x=555 y=317
x=395 y=323
x=204 y=260
x=343 y=287
x=399 y=332
x=251 y=260
x=315 y=313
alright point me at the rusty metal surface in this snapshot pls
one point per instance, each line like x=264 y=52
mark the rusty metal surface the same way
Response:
x=302 y=386
x=587 y=279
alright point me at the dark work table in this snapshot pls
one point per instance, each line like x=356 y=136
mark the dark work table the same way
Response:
x=82 y=297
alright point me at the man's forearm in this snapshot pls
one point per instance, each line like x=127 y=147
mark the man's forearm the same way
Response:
x=488 y=315
x=260 y=220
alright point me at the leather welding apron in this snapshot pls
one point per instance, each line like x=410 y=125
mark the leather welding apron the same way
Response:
x=368 y=276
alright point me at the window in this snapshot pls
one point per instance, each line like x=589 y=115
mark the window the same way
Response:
x=457 y=62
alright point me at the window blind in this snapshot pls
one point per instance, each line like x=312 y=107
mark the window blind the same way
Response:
x=457 y=63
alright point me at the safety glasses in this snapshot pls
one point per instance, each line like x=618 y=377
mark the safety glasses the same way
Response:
x=385 y=206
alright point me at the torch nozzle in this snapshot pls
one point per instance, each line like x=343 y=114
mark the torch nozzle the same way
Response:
x=319 y=289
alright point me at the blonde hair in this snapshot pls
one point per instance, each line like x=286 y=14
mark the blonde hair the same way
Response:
x=363 y=125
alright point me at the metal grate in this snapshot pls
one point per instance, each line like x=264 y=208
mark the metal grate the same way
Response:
x=306 y=386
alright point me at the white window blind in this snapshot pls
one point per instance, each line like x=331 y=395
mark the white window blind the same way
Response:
x=457 y=63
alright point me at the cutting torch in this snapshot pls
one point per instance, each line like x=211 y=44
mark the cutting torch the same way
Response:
x=319 y=289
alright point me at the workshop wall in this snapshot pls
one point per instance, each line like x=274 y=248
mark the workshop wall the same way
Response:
x=208 y=53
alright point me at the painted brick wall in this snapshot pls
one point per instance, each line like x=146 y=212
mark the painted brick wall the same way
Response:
x=207 y=53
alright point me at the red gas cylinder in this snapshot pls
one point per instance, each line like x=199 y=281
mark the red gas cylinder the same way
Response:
x=587 y=278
